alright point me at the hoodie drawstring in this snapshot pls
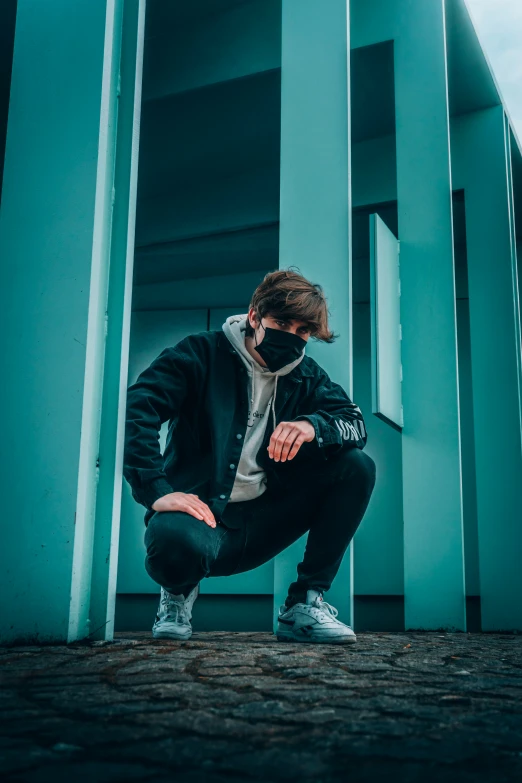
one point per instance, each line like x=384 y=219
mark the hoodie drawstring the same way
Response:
x=253 y=396
x=273 y=401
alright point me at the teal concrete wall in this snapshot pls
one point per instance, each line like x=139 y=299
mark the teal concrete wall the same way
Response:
x=207 y=203
x=234 y=160
x=432 y=495
x=195 y=45
x=54 y=232
x=482 y=164
x=315 y=205
x=171 y=236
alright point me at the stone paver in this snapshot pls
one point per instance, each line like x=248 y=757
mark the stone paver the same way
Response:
x=242 y=707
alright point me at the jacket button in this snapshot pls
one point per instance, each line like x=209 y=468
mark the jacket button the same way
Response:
x=222 y=497
x=239 y=436
x=231 y=466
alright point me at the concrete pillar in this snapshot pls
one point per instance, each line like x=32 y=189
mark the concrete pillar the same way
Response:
x=315 y=209
x=433 y=520
x=433 y=517
x=55 y=229
x=483 y=168
x=115 y=378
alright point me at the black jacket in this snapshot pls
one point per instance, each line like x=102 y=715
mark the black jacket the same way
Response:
x=200 y=387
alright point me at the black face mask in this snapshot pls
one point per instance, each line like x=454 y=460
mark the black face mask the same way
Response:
x=280 y=348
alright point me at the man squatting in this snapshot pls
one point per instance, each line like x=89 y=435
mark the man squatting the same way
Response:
x=262 y=446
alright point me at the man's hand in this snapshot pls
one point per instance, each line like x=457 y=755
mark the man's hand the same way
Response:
x=190 y=504
x=288 y=437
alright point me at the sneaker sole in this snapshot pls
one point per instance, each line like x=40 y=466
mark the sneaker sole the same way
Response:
x=332 y=640
x=174 y=637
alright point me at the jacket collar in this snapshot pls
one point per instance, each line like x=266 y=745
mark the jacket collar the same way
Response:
x=297 y=374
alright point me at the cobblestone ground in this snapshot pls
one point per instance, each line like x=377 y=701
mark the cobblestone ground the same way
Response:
x=243 y=707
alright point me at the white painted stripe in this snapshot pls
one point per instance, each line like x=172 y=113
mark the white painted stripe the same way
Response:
x=95 y=345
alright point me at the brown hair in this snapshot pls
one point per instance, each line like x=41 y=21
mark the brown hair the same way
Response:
x=287 y=294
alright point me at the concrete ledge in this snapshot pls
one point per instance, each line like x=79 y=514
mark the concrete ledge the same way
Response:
x=136 y=612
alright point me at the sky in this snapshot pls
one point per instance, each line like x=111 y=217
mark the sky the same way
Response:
x=499 y=26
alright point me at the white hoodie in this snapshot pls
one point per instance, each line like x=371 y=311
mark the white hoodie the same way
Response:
x=250 y=481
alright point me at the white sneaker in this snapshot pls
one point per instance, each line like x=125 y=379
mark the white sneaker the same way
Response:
x=174 y=615
x=314 y=621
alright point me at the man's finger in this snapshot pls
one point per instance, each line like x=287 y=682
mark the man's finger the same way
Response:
x=272 y=441
x=277 y=439
x=203 y=507
x=203 y=511
x=298 y=442
x=188 y=509
x=288 y=432
x=288 y=444
x=281 y=442
x=195 y=513
x=208 y=516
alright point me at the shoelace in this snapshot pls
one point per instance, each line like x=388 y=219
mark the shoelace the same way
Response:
x=325 y=606
x=174 y=610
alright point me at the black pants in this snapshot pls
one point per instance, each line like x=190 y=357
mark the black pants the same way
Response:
x=328 y=498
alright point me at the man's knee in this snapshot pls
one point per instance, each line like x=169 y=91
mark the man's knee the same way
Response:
x=355 y=465
x=176 y=540
x=369 y=467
